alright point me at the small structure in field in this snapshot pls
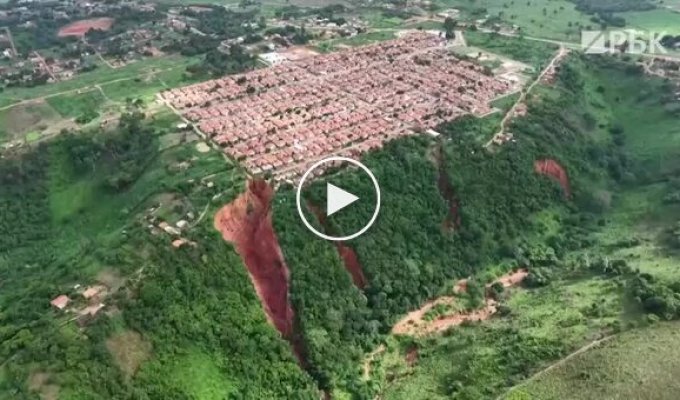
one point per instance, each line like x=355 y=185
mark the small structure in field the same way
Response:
x=93 y=291
x=60 y=302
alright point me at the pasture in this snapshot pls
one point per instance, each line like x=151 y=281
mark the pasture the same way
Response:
x=642 y=364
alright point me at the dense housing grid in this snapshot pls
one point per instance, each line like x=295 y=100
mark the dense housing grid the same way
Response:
x=278 y=120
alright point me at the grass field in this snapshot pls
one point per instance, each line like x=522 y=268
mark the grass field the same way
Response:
x=358 y=40
x=640 y=214
x=659 y=21
x=146 y=87
x=77 y=198
x=74 y=105
x=529 y=15
x=651 y=131
x=20 y=120
x=376 y=19
x=643 y=364
x=536 y=54
x=102 y=76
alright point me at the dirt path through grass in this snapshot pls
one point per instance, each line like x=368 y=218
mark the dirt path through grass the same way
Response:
x=557 y=363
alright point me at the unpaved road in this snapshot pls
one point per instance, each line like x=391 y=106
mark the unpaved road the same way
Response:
x=415 y=324
x=557 y=364
x=524 y=93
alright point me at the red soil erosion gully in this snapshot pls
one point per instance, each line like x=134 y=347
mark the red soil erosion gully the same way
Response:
x=554 y=170
x=347 y=254
x=247 y=223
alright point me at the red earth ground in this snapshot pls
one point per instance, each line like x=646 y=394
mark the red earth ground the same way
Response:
x=553 y=169
x=352 y=265
x=415 y=324
x=247 y=223
x=79 y=28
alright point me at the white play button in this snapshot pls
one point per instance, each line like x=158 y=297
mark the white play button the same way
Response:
x=337 y=199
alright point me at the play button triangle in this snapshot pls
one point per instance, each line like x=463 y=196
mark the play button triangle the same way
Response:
x=337 y=199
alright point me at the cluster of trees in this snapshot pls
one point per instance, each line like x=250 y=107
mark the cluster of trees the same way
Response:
x=218 y=63
x=225 y=23
x=23 y=201
x=201 y=298
x=405 y=262
x=481 y=373
x=294 y=34
x=333 y=318
x=613 y=6
x=193 y=300
x=656 y=297
x=670 y=41
x=124 y=153
x=329 y=12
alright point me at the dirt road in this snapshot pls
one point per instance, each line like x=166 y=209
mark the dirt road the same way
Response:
x=86 y=88
x=415 y=323
x=557 y=364
x=524 y=93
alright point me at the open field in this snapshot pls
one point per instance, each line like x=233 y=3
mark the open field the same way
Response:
x=79 y=28
x=144 y=87
x=358 y=40
x=558 y=21
x=18 y=121
x=651 y=132
x=641 y=364
x=659 y=21
x=102 y=76
x=535 y=54
x=640 y=214
x=75 y=105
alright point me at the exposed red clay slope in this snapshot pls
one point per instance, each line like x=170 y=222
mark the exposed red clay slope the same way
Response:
x=80 y=28
x=347 y=254
x=247 y=223
x=352 y=265
x=553 y=169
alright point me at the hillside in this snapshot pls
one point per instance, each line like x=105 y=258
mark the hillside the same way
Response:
x=182 y=280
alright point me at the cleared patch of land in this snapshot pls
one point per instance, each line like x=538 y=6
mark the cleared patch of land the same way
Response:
x=79 y=28
x=129 y=350
x=18 y=121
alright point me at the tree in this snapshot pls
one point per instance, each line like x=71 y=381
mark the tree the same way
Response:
x=449 y=27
